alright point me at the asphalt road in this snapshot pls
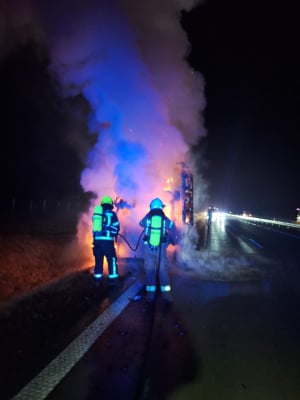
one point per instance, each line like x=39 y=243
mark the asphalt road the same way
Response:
x=232 y=331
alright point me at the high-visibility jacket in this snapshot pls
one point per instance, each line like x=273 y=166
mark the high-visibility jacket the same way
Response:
x=106 y=225
x=156 y=225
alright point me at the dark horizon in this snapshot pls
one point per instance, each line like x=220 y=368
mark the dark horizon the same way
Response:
x=248 y=57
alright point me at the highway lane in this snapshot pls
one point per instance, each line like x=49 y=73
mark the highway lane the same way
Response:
x=278 y=244
x=232 y=331
x=245 y=332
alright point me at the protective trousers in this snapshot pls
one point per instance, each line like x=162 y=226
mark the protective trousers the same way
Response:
x=105 y=248
x=153 y=260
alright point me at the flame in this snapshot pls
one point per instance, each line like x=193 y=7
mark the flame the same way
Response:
x=130 y=212
x=169 y=186
x=121 y=250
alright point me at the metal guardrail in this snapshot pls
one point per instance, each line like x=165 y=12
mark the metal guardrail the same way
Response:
x=265 y=221
x=246 y=218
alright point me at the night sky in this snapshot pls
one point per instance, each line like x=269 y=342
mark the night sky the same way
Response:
x=248 y=54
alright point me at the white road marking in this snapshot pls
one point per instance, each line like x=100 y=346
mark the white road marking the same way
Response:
x=40 y=386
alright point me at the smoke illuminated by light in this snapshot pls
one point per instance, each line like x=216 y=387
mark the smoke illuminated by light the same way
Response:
x=128 y=59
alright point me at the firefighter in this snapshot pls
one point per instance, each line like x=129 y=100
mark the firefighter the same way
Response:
x=106 y=227
x=159 y=232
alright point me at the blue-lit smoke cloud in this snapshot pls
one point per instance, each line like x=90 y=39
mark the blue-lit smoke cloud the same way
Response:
x=127 y=58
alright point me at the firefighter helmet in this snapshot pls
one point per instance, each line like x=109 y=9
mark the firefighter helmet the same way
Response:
x=156 y=203
x=106 y=200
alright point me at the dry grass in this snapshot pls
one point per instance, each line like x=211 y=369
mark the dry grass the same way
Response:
x=28 y=262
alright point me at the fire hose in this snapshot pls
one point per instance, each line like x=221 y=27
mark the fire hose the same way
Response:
x=128 y=244
x=136 y=247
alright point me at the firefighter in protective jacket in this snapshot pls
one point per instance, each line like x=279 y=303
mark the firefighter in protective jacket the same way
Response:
x=106 y=227
x=160 y=231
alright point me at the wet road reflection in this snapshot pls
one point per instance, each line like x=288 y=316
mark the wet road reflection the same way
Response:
x=244 y=328
x=212 y=290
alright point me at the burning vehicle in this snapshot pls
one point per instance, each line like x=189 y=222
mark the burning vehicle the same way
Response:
x=181 y=191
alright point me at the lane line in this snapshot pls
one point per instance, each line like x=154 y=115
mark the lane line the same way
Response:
x=260 y=246
x=40 y=386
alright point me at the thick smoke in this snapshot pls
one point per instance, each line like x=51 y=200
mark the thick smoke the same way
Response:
x=127 y=58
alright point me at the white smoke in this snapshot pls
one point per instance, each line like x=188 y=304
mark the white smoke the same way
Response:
x=128 y=58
